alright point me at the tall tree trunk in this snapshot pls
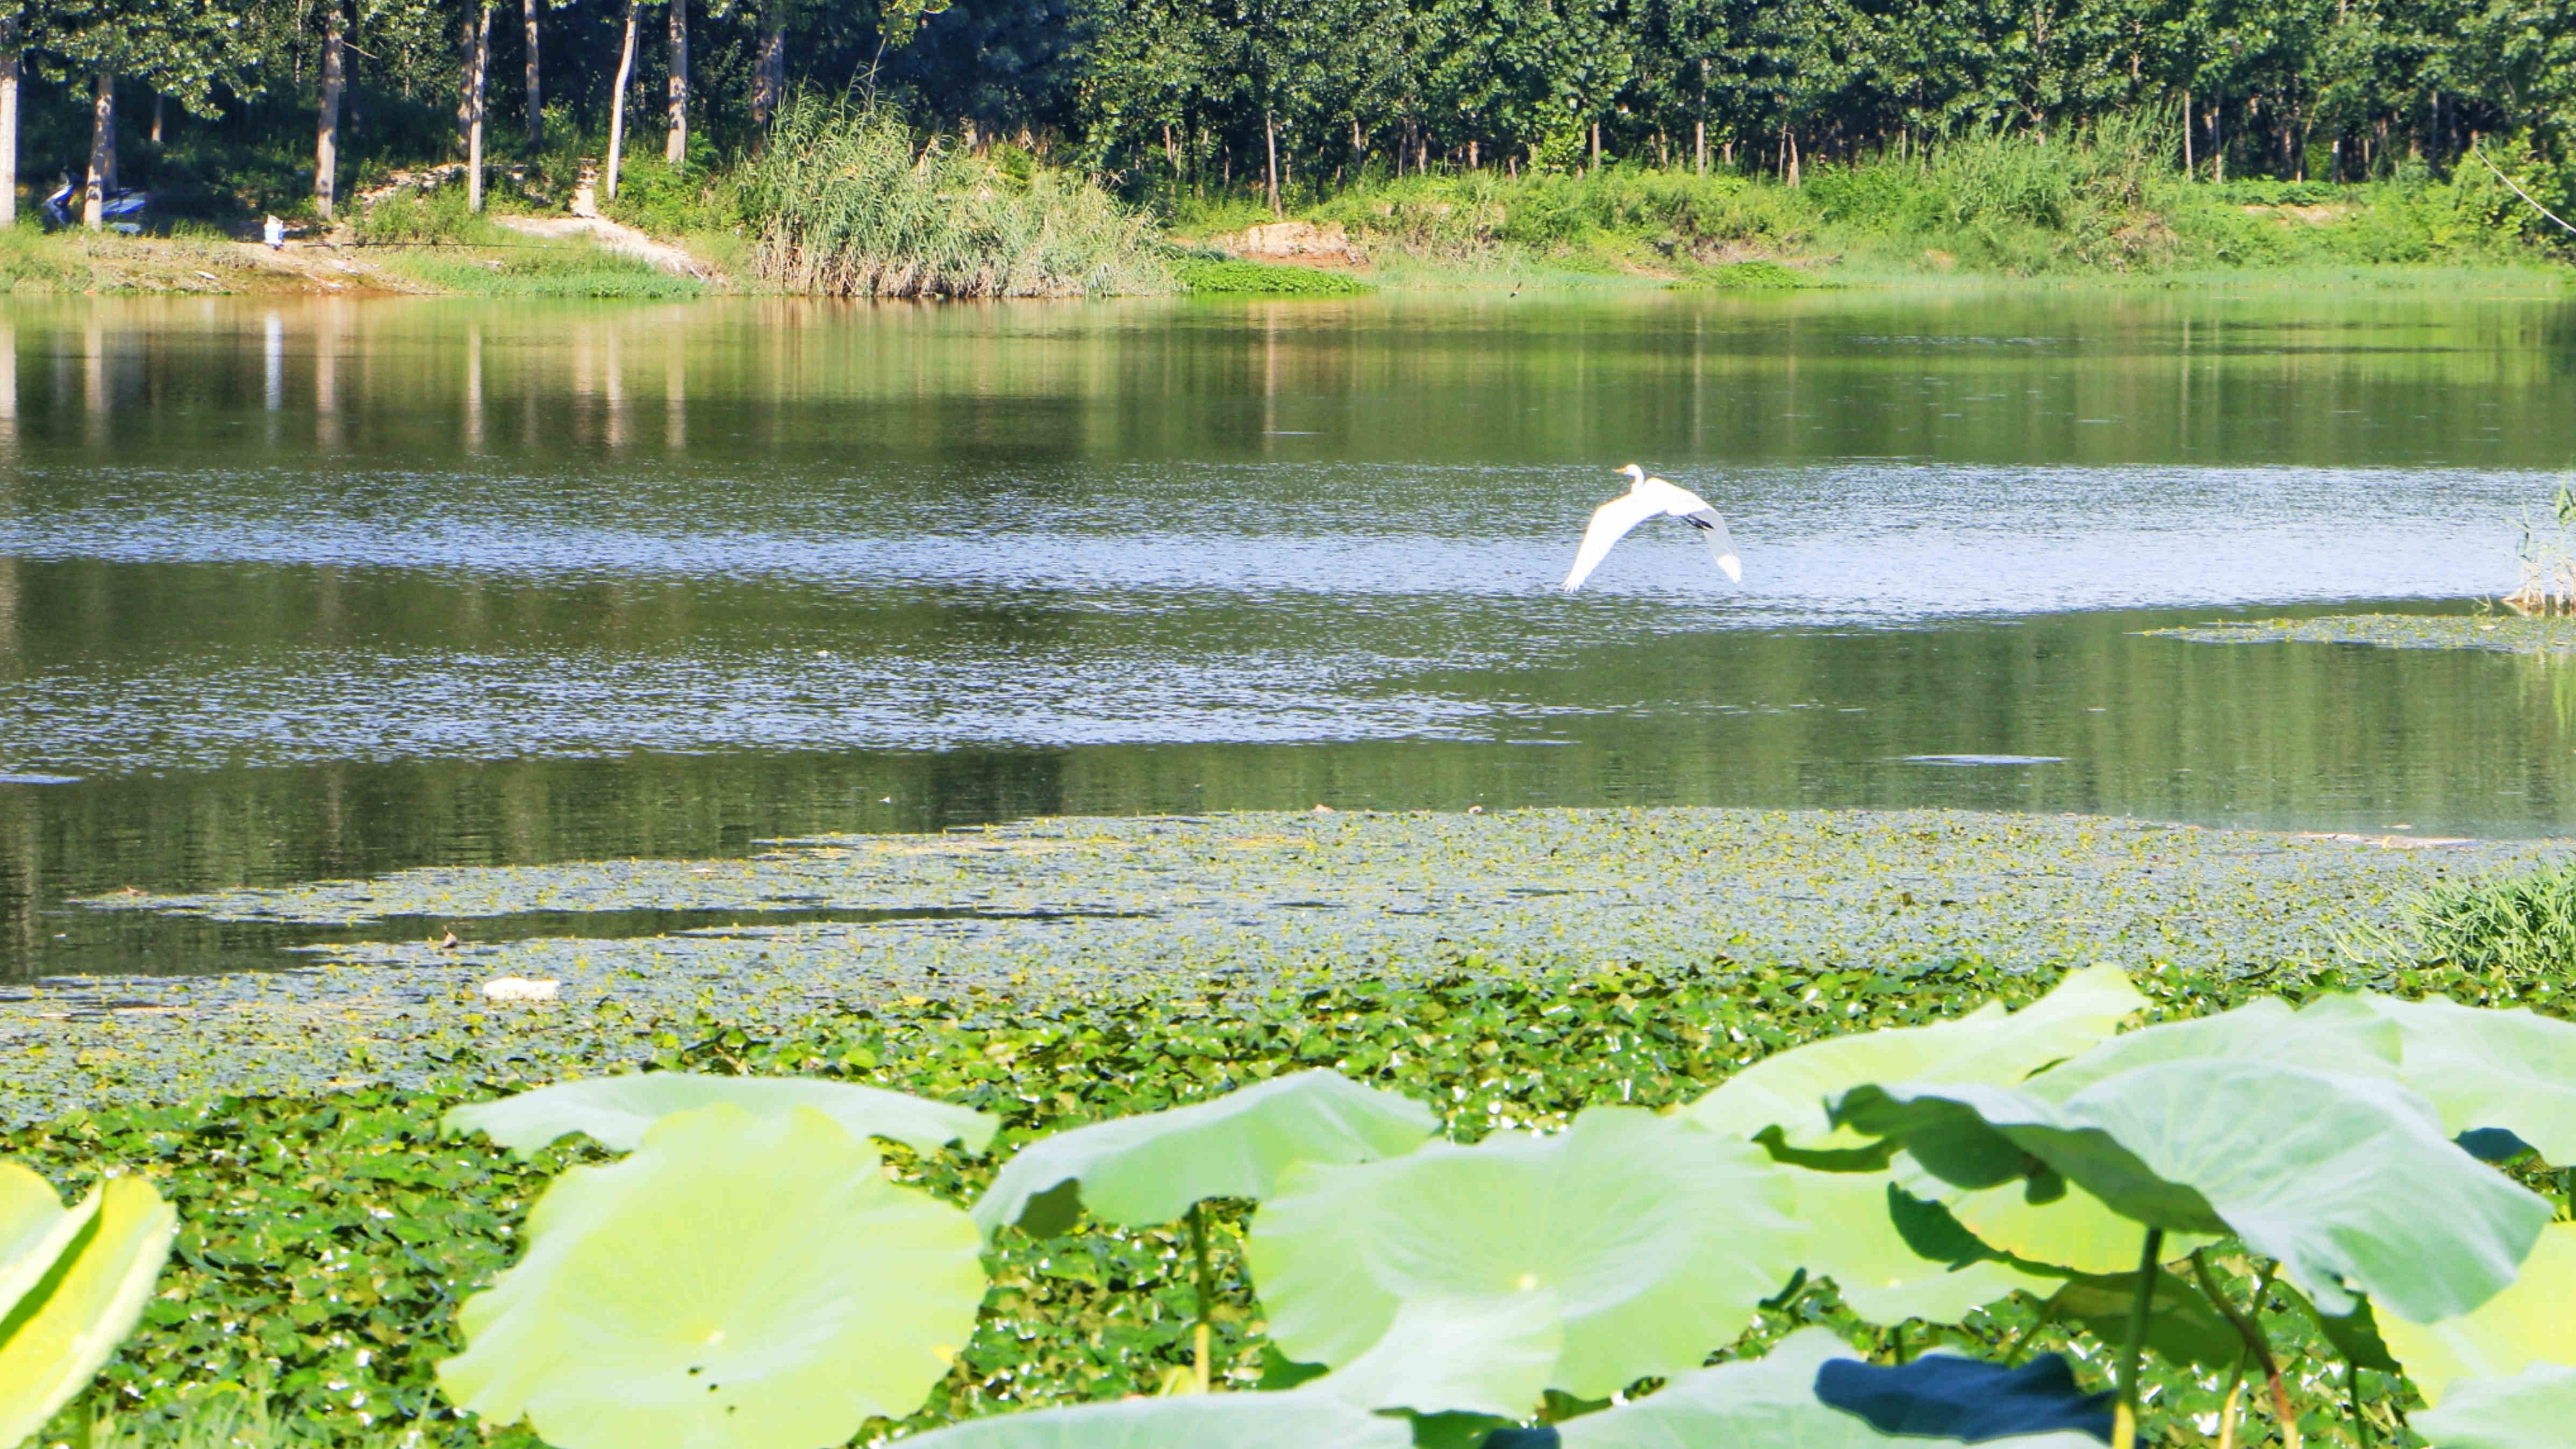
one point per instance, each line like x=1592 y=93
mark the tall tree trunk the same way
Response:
x=465 y=77
x=1596 y=147
x=326 y=135
x=769 y=70
x=536 y=87
x=2188 y=172
x=102 y=154
x=1270 y=175
x=157 y=107
x=9 y=70
x=617 y=100
x=675 y=147
x=477 y=77
x=1699 y=144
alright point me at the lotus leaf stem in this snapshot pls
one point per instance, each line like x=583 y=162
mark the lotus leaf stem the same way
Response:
x=2227 y=1409
x=2124 y=1427
x=2360 y=1420
x=2252 y=1332
x=1207 y=1297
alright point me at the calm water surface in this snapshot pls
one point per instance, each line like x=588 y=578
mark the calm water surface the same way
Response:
x=333 y=587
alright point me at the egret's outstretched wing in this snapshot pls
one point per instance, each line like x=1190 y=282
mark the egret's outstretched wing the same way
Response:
x=1720 y=547
x=1610 y=523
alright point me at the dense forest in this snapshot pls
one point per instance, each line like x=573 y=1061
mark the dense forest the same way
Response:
x=1273 y=96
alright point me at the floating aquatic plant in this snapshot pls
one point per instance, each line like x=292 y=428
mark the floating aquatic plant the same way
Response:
x=740 y=1280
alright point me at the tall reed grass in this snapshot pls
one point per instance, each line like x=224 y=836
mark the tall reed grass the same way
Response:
x=845 y=201
x=2514 y=925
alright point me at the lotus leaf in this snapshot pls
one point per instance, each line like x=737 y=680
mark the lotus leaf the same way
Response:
x=2336 y=1034
x=1853 y=1239
x=2075 y=1232
x=2527 y=1323
x=50 y=1346
x=1766 y=1403
x=2338 y=1177
x=1987 y=1045
x=616 y=1111
x=2531 y=1410
x=1629 y=1244
x=2486 y=1068
x=1149 y=1169
x=35 y=1227
x=745 y=1280
x=1304 y=1420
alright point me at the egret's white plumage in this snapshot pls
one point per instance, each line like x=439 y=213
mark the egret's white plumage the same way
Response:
x=1647 y=498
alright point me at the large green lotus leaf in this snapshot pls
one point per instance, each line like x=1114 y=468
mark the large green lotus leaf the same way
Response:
x=2530 y=1322
x=2336 y=1034
x=1766 y=1403
x=1465 y=1352
x=742 y=1280
x=59 y=1340
x=1296 y=1420
x=2531 y=1410
x=2486 y=1068
x=2338 y=1177
x=1646 y=1240
x=1987 y=1045
x=1852 y=1238
x=2075 y=1232
x=617 y=1111
x=1150 y=1168
x=35 y=1227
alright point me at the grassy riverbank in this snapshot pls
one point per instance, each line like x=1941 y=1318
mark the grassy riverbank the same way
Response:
x=488 y=263
x=1506 y=968
x=853 y=203
x=2005 y=206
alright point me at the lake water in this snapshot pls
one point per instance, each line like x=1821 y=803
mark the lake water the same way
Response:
x=330 y=587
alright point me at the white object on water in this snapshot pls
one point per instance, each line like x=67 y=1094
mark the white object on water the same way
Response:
x=520 y=988
x=1646 y=498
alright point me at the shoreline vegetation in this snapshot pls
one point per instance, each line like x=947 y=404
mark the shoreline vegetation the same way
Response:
x=921 y=148
x=853 y=201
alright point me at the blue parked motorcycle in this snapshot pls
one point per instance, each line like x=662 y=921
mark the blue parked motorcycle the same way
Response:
x=124 y=209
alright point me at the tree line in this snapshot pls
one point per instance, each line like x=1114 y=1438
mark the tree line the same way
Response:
x=1273 y=95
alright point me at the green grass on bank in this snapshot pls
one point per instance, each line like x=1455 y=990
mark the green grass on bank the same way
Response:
x=2108 y=203
x=854 y=202
x=1207 y=275
x=526 y=267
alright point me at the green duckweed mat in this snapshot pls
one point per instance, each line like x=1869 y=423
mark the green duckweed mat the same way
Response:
x=2504 y=633
x=1002 y=920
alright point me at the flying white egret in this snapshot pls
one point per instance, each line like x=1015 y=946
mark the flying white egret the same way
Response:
x=1646 y=497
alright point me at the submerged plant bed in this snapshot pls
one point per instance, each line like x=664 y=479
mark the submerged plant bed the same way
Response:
x=2507 y=634
x=1098 y=909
